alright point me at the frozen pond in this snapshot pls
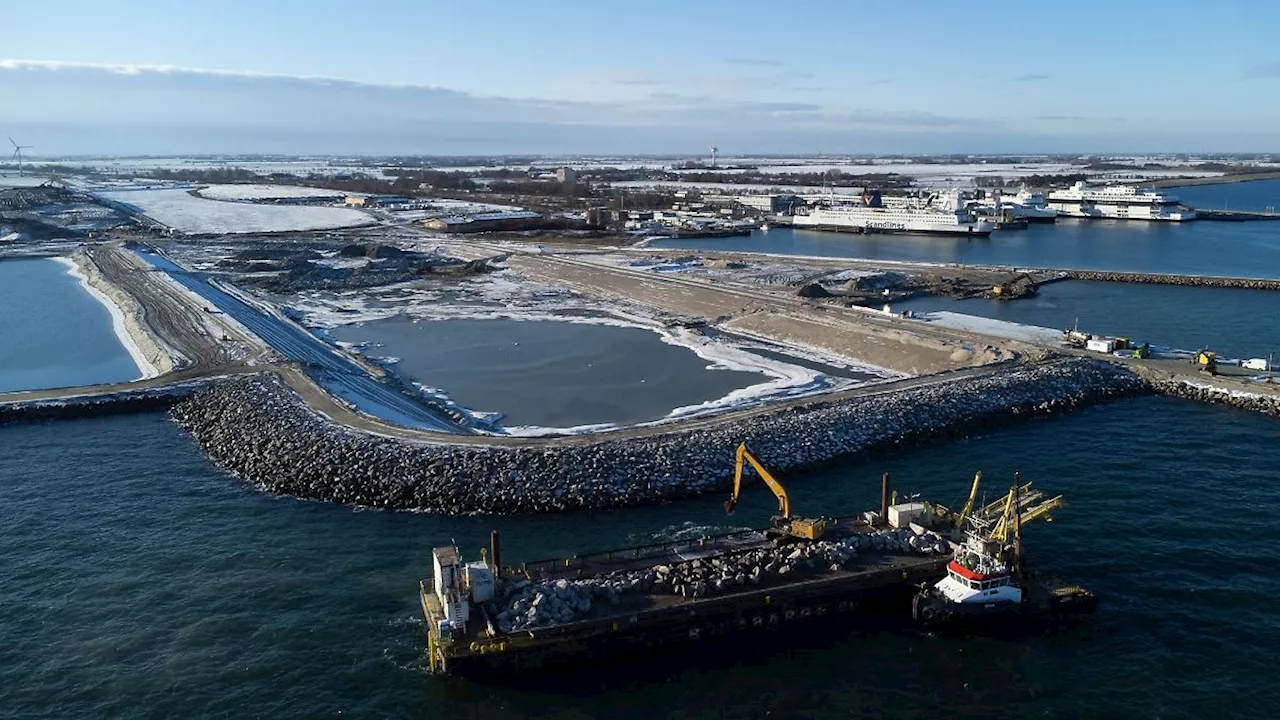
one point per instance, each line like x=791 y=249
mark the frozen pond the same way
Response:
x=548 y=373
x=54 y=334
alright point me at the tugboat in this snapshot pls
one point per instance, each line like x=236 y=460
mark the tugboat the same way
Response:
x=985 y=585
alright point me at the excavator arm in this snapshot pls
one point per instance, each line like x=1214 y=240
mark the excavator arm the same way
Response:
x=744 y=456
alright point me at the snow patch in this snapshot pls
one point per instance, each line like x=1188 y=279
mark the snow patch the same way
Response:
x=997 y=328
x=178 y=209
x=264 y=192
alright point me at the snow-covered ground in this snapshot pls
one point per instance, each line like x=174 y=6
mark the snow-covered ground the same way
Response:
x=178 y=209
x=465 y=207
x=736 y=188
x=743 y=273
x=300 y=167
x=15 y=180
x=996 y=328
x=264 y=192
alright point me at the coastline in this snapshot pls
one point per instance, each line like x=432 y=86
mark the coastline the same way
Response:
x=150 y=359
x=1216 y=180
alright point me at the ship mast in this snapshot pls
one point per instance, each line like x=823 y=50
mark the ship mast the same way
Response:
x=1017 y=524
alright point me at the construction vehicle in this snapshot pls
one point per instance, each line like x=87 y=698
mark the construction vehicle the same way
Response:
x=783 y=523
x=1143 y=353
x=1019 y=285
x=1207 y=360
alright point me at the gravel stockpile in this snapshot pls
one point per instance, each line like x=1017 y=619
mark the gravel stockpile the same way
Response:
x=259 y=429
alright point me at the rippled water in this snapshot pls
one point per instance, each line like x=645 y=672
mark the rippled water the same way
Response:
x=1237 y=249
x=549 y=373
x=1258 y=195
x=140 y=583
x=53 y=333
x=1237 y=323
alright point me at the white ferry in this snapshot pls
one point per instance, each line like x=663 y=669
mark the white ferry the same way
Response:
x=1029 y=206
x=936 y=214
x=1120 y=202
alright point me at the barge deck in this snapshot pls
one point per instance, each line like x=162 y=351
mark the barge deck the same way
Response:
x=635 y=599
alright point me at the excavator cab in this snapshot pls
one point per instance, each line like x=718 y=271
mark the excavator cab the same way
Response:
x=783 y=523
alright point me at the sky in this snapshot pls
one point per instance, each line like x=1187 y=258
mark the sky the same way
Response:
x=654 y=77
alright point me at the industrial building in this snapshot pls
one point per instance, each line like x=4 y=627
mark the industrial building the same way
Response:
x=769 y=203
x=485 y=222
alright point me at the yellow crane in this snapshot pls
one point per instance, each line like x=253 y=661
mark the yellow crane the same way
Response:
x=806 y=528
x=968 y=504
x=1022 y=505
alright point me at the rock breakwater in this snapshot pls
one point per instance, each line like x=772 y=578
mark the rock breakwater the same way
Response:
x=123 y=401
x=1267 y=404
x=261 y=430
x=1164 y=279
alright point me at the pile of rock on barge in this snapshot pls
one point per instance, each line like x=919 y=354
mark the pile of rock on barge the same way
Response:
x=484 y=619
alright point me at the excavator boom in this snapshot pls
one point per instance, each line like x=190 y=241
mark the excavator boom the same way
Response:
x=744 y=456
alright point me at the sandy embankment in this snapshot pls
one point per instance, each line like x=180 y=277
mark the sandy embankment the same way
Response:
x=128 y=317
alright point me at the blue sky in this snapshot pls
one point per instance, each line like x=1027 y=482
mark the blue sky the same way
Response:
x=655 y=77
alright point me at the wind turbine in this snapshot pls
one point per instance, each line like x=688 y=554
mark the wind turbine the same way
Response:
x=17 y=152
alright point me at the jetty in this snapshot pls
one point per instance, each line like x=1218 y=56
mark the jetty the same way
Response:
x=1236 y=215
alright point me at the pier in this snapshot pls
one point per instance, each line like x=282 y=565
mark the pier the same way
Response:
x=1236 y=215
x=1172 y=279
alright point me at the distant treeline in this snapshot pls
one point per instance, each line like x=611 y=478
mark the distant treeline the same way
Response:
x=991 y=181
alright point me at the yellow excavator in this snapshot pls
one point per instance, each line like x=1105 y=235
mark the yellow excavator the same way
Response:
x=805 y=528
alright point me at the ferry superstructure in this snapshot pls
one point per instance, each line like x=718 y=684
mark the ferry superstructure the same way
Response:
x=1029 y=206
x=944 y=214
x=1120 y=202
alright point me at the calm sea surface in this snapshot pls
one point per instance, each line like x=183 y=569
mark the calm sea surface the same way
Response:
x=139 y=582
x=1235 y=249
x=548 y=373
x=53 y=333
x=1236 y=323
x=1258 y=195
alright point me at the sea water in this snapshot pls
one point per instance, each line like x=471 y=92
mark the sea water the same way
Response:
x=140 y=582
x=53 y=333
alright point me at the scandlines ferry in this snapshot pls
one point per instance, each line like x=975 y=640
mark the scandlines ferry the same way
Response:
x=938 y=214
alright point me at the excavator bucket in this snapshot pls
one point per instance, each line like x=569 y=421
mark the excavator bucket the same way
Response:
x=730 y=504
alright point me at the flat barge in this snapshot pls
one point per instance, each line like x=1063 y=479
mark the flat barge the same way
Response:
x=908 y=559
x=570 y=610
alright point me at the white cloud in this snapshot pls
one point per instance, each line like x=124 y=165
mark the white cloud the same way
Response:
x=67 y=106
